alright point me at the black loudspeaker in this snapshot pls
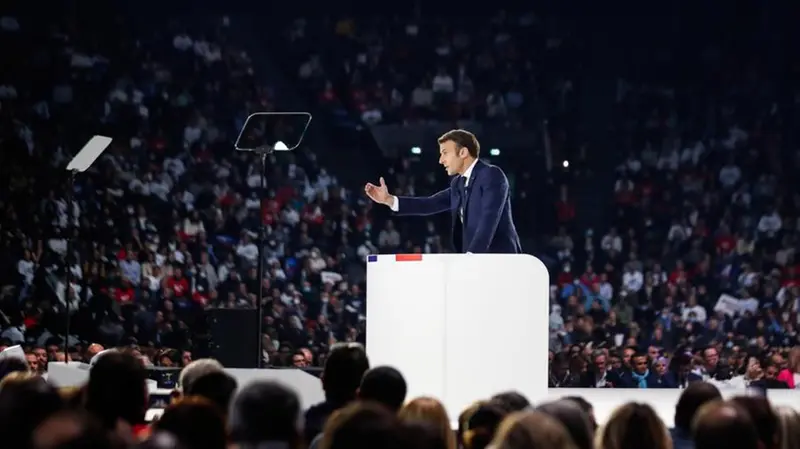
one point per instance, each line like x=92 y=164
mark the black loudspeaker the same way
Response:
x=234 y=337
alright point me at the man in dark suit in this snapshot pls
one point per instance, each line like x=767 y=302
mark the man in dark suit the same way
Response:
x=478 y=198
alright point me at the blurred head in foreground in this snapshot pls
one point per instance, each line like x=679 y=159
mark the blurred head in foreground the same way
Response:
x=532 y=429
x=25 y=402
x=634 y=425
x=721 y=424
x=75 y=430
x=266 y=412
x=385 y=385
x=432 y=412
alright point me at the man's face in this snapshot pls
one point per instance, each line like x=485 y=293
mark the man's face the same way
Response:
x=626 y=356
x=41 y=354
x=600 y=363
x=33 y=362
x=640 y=364
x=449 y=157
x=711 y=356
x=299 y=361
x=660 y=367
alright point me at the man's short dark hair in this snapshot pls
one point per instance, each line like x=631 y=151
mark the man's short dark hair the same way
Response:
x=482 y=425
x=586 y=406
x=462 y=139
x=265 y=411
x=344 y=369
x=385 y=385
x=195 y=422
x=512 y=401
x=696 y=395
x=117 y=389
x=217 y=387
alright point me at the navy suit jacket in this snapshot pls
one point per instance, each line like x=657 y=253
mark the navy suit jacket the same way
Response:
x=488 y=226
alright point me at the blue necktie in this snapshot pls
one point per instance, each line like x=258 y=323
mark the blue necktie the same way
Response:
x=462 y=185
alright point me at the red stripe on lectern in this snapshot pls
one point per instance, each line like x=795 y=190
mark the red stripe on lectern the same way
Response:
x=408 y=257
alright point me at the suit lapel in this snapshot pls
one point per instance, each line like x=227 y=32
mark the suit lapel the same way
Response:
x=458 y=230
x=473 y=179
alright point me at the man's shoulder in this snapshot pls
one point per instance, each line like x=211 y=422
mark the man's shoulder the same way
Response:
x=491 y=171
x=320 y=409
x=489 y=166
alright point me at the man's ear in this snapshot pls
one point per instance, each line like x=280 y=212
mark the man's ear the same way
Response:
x=463 y=152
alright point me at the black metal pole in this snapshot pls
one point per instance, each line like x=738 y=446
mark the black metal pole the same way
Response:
x=70 y=230
x=262 y=240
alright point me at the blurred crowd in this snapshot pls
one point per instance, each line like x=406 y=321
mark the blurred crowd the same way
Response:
x=695 y=275
x=364 y=407
x=685 y=276
x=165 y=224
x=413 y=68
x=692 y=277
x=694 y=270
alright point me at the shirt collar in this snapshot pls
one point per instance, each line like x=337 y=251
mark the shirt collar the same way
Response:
x=468 y=173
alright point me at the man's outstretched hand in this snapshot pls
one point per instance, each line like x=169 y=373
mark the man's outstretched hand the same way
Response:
x=379 y=194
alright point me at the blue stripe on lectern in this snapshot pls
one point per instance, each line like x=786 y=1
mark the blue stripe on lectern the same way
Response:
x=372 y=258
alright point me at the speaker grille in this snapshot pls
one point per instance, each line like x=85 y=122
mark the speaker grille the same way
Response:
x=234 y=337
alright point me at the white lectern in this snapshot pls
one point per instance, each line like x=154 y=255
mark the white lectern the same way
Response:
x=460 y=327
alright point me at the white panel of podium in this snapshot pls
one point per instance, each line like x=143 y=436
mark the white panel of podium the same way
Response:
x=460 y=327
